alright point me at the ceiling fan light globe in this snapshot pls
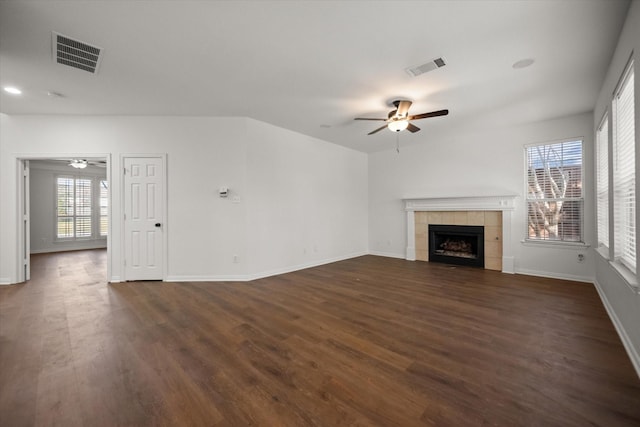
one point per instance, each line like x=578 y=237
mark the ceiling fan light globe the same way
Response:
x=398 y=125
x=78 y=164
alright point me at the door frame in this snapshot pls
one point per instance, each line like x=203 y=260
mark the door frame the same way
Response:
x=164 y=203
x=24 y=221
x=23 y=214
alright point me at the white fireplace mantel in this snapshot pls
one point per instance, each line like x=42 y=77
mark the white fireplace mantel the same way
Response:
x=473 y=203
x=506 y=204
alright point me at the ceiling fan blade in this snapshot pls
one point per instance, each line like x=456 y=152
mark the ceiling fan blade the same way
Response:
x=366 y=118
x=431 y=114
x=413 y=128
x=377 y=130
x=403 y=108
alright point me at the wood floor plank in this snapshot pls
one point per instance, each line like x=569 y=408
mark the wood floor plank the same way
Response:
x=369 y=341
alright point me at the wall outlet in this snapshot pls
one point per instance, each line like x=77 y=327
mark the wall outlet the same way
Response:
x=235 y=259
x=580 y=257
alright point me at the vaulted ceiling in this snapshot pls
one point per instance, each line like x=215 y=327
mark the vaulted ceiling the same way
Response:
x=312 y=66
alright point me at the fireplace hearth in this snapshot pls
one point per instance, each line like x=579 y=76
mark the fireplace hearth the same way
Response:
x=457 y=244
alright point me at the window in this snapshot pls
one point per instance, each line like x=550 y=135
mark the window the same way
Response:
x=602 y=181
x=624 y=182
x=554 y=195
x=104 y=207
x=81 y=208
x=73 y=208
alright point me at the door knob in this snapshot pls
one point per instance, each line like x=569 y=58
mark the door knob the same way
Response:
x=158 y=224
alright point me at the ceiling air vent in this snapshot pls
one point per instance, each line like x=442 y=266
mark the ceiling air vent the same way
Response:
x=421 y=69
x=76 y=54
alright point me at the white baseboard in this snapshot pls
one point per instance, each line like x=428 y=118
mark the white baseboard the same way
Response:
x=387 y=254
x=508 y=264
x=410 y=254
x=622 y=333
x=215 y=278
x=5 y=281
x=261 y=275
x=305 y=265
x=553 y=275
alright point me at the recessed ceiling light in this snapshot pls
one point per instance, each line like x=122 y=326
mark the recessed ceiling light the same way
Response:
x=523 y=63
x=12 y=90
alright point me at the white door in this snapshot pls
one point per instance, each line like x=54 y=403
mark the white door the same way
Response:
x=143 y=218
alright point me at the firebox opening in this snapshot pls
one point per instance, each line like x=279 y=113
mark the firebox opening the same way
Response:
x=457 y=244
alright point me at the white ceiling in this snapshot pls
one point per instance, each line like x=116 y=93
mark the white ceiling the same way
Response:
x=312 y=66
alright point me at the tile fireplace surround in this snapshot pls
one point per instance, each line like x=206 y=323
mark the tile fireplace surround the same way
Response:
x=493 y=212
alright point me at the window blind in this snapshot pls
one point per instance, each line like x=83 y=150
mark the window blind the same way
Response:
x=104 y=207
x=624 y=185
x=65 y=207
x=83 y=207
x=74 y=207
x=554 y=196
x=602 y=182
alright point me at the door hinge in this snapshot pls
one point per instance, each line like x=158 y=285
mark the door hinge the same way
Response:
x=124 y=171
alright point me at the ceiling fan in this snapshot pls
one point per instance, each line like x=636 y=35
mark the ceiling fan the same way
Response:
x=83 y=163
x=399 y=119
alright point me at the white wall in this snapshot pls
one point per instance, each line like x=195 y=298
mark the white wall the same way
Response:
x=201 y=152
x=42 y=207
x=306 y=200
x=620 y=297
x=474 y=162
x=205 y=232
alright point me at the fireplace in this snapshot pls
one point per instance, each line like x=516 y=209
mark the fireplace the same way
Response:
x=457 y=244
x=494 y=213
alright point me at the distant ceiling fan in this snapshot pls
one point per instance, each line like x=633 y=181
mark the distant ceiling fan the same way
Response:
x=399 y=119
x=83 y=163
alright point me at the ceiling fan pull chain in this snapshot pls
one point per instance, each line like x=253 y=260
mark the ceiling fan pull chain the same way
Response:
x=398 y=142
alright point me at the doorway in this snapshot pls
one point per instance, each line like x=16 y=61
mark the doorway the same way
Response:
x=64 y=205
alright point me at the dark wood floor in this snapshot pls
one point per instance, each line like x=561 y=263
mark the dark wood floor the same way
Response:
x=366 y=342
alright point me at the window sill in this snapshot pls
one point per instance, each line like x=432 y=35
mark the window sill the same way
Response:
x=80 y=239
x=627 y=275
x=603 y=251
x=554 y=244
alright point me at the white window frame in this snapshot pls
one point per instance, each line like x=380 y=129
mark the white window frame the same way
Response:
x=580 y=200
x=95 y=208
x=602 y=183
x=622 y=258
